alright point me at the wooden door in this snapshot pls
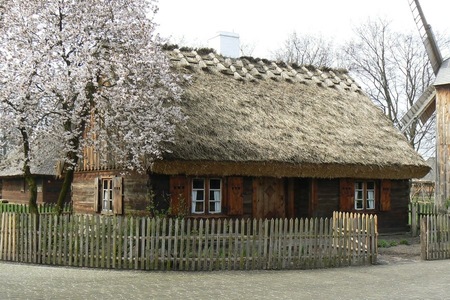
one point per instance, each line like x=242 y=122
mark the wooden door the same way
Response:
x=269 y=198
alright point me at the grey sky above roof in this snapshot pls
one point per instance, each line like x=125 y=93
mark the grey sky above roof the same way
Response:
x=266 y=24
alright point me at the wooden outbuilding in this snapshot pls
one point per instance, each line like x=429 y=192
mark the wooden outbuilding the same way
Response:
x=15 y=189
x=265 y=140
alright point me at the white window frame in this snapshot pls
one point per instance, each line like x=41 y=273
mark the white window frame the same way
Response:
x=215 y=197
x=212 y=197
x=195 y=196
x=365 y=196
x=107 y=195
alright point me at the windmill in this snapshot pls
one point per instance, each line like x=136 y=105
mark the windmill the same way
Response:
x=435 y=98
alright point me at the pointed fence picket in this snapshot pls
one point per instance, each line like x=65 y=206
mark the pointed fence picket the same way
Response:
x=435 y=237
x=188 y=244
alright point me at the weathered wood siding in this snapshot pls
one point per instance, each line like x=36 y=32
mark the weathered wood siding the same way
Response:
x=327 y=198
x=248 y=197
x=136 y=192
x=15 y=190
x=442 y=146
x=302 y=197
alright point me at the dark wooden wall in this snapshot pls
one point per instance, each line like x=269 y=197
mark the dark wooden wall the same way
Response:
x=15 y=190
x=262 y=197
x=301 y=197
x=396 y=219
x=327 y=198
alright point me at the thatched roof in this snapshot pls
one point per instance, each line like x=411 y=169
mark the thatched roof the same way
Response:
x=256 y=117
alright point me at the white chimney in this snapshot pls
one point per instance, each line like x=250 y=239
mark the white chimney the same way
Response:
x=226 y=43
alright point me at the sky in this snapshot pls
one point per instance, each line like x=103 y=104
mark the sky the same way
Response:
x=264 y=25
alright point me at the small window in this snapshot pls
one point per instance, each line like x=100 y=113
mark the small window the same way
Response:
x=198 y=196
x=364 y=195
x=206 y=196
x=107 y=195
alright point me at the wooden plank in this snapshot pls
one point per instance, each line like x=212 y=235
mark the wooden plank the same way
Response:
x=163 y=243
x=125 y=244
x=188 y=245
x=182 y=254
x=169 y=262
x=143 y=240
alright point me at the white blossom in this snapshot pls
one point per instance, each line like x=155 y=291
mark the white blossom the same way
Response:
x=91 y=72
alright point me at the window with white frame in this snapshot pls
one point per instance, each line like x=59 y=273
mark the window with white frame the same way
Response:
x=206 y=195
x=107 y=195
x=364 y=195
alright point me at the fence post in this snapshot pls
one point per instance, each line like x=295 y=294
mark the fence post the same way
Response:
x=423 y=238
x=414 y=219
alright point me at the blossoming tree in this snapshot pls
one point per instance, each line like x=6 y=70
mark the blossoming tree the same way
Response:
x=84 y=73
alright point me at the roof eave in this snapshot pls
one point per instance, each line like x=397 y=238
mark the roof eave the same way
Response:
x=281 y=169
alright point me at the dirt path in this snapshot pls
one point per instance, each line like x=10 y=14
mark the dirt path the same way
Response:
x=398 y=248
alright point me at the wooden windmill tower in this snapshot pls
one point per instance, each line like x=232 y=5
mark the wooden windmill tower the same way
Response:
x=435 y=98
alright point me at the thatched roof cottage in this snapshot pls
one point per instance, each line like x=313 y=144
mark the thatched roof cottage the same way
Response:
x=264 y=140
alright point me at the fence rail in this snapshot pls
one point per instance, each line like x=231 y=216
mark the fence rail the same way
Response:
x=188 y=244
x=435 y=237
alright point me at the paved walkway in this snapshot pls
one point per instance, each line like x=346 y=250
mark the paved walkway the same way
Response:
x=410 y=280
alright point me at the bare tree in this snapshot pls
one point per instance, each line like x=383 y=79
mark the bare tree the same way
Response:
x=247 y=49
x=306 y=50
x=393 y=70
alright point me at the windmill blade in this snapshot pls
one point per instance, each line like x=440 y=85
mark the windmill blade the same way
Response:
x=427 y=35
x=423 y=109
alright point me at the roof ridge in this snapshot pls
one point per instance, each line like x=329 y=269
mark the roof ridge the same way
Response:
x=248 y=68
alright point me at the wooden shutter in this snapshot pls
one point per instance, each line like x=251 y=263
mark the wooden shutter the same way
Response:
x=96 y=194
x=385 y=197
x=117 y=195
x=347 y=194
x=179 y=195
x=235 y=196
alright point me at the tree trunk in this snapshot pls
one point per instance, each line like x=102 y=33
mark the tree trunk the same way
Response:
x=64 y=191
x=29 y=178
x=32 y=187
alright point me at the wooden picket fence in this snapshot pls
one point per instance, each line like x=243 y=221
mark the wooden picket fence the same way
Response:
x=435 y=237
x=43 y=208
x=417 y=211
x=188 y=244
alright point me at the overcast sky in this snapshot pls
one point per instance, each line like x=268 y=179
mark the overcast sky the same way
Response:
x=265 y=25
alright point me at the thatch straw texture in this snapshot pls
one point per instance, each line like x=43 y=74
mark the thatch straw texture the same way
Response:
x=305 y=123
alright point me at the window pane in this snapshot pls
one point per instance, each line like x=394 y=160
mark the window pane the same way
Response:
x=214 y=184
x=107 y=194
x=198 y=206
x=358 y=185
x=370 y=204
x=370 y=195
x=212 y=206
x=359 y=195
x=211 y=196
x=200 y=195
x=358 y=204
x=370 y=185
x=198 y=184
